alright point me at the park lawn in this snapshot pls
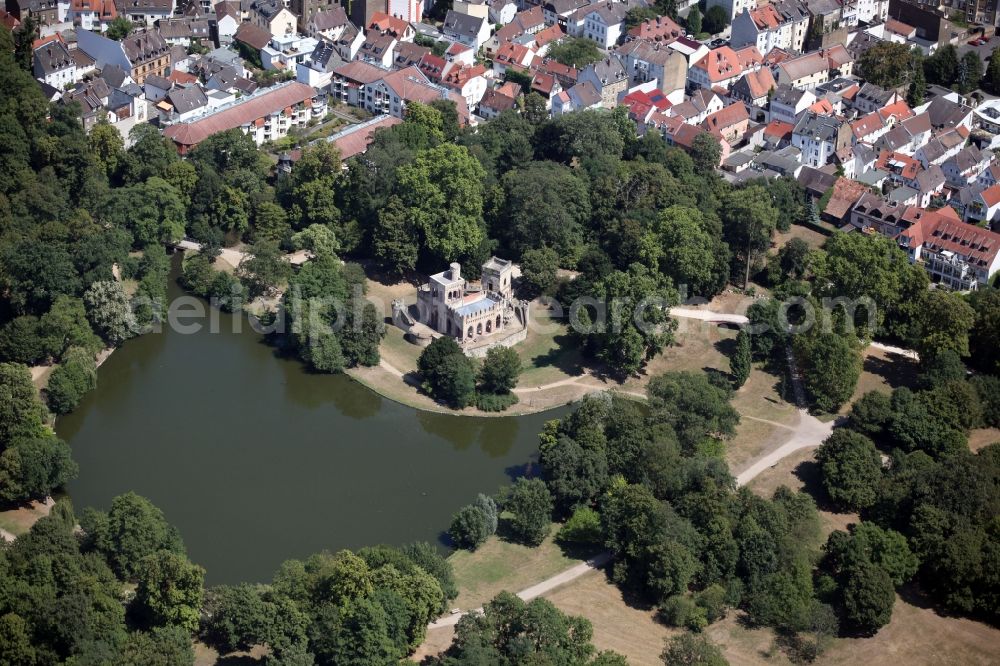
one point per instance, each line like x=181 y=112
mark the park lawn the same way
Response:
x=983 y=437
x=398 y=351
x=882 y=371
x=753 y=439
x=500 y=565
x=628 y=630
x=814 y=238
x=761 y=397
x=547 y=356
x=19 y=521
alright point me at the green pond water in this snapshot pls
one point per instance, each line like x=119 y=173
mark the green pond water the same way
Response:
x=257 y=461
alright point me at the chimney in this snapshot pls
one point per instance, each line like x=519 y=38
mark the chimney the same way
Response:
x=456 y=271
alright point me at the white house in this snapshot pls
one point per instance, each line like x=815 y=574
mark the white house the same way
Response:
x=781 y=25
x=53 y=64
x=819 y=138
x=227 y=20
x=605 y=23
x=287 y=51
x=472 y=31
x=273 y=16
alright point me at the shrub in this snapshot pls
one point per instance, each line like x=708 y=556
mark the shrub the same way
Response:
x=492 y=402
x=584 y=526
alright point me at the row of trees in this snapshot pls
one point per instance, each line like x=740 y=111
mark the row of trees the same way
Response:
x=892 y=65
x=451 y=377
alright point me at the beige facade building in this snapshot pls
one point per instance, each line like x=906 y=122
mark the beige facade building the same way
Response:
x=450 y=306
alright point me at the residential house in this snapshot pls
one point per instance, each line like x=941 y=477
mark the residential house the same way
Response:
x=92 y=14
x=869 y=128
x=779 y=25
x=871 y=98
x=407 y=54
x=140 y=54
x=317 y=70
x=557 y=11
x=754 y=88
x=273 y=16
x=349 y=43
x=378 y=49
x=385 y=24
x=843 y=197
x=947 y=113
x=820 y=138
x=184 y=31
x=265 y=116
x=647 y=60
x=227 y=20
x=304 y=10
x=940 y=148
x=230 y=79
x=473 y=31
x=145 y=12
x=182 y=103
x=609 y=77
x=788 y=103
x=869 y=11
x=348 y=81
x=98 y=100
x=512 y=55
x=156 y=87
x=391 y=94
x=661 y=29
x=495 y=102
x=965 y=167
x=907 y=136
x=721 y=67
x=812 y=69
x=698 y=107
x=580 y=97
x=44 y=12
x=468 y=81
x=989 y=177
x=985 y=206
x=957 y=255
x=285 y=52
x=328 y=24
x=604 y=23
x=502 y=12
x=874 y=213
x=251 y=38
x=53 y=64
x=728 y=124
x=407 y=10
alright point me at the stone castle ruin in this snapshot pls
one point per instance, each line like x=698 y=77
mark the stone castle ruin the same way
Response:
x=477 y=316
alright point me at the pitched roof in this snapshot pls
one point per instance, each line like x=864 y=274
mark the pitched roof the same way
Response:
x=326 y=19
x=462 y=24
x=252 y=35
x=846 y=193
x=657 y=29
x=354 y=140
x=817 y=61
x=385 y=23
x=731 y=115
x=866 y=125
x=497 y=101
x=360 y=72
x=779 y=130
x=242 y=113
x=991 y=195
x=938 y=232
x=720 y=64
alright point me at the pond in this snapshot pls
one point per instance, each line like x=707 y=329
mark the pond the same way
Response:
x=256 y=460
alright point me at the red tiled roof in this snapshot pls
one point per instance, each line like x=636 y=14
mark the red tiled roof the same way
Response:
x=733 y=114
x=822 y=107
x=779 y=129
x=866 y=125
x=659 y=29
x=254 y=109
x=846 y=193
x=766 y=17
x=991 y=195
x=177 y=76
x=940 y=232
x=720 y=64
x=388 y=24
x=356 y=142
x=899 y=110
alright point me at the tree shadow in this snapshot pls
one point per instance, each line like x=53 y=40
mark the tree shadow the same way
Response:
x=523 y=470
x=725 y=346
x=897 y=371
x=563 y=356
x=580 y=551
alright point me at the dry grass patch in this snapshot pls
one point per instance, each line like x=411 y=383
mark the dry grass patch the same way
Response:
x=500 y=565
x=814 y=238
x=982 y=437
x=753 y=439
x=18 y=521
x=882 y=371
x=628 y=630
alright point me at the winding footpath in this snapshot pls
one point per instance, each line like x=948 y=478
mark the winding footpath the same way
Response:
x=808 y=433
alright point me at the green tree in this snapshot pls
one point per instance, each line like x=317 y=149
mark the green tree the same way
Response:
x=574 y=473
x=942 y=66
x=428 y=117
x=944 y=324
x=394 y=241
x=706 y=153
x=694 y=21
x=15 y=641
x=692 y=254
x=870 y=414
x=313 y=192
x=693 y=406
x=32 y=468
x=830 y=366
x=109 y=312
x=21 y=412
x=237 y=616
x=851 y=469
x=500 y=370
x=886 y=64
x=992 y=80
x=868 y=598
x=442 y=191
x=318 y=239
x=672 y=566
x=163 y=646
x=749 y=220
x=530 y=502
x=918 y=87
x=361 y=336
x=715 y=20
x=170 y=590
x=692 y=650
x=119 y=28
x=970 y=71
x=740 y=362
x=583 y=527
x=539 y=268
x=264 y=270
x=69 y=382
x=22 y=341
x=107 y=147
x=984 y=339
x=131 y=530
x=447 y=373
x=639 y=15
x=65 y=325
x=468 y=527
x=576 y=52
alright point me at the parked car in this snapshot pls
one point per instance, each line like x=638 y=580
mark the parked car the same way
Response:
x=973 y=42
